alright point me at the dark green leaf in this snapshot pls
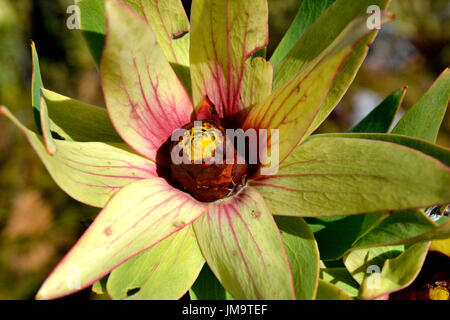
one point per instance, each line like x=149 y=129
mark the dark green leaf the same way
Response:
x=403 y=227
x=380 y=119
x=307 y=14
x=336 y=235
x=207 y=287
x=425 y=117
x=36 y=86
x=93 y=25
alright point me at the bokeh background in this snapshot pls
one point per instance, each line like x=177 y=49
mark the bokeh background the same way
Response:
x=39 y=222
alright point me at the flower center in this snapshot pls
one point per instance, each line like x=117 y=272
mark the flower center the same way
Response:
x=439 y=293
x=201 y=142
x=205 y=163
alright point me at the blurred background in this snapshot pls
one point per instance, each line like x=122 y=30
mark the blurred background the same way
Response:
x=39 y=222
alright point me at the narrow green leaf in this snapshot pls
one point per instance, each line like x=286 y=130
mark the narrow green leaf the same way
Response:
x=139 y=216
x=328 y=291
x=335 y=235
x=380 y=119
x=242 y=245
x=307 y=14
x=338 y=176
x=68 y=118
x=303 y=255
x=36 y=86
x=45 y=127
x=93 y=26
x=75 y=121
x=403 y=228
x=164 y=272
x=144 y=98
x=90 y=172
x=424 y=119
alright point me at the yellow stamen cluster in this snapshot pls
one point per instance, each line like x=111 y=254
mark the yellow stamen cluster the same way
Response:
x=439 y=293
x=200 y=142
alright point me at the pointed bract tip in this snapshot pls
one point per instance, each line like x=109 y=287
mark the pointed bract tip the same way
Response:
x=39 y=295
x=3 y=110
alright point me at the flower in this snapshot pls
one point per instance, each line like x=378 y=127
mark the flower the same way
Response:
x=155 y=71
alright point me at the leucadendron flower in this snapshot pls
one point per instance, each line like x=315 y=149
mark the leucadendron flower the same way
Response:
x=161 y=221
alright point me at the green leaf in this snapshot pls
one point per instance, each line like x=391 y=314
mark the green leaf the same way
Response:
x=396 y=273
x=139 y=216
x=93 y=26
x=342 y=279
x=68 y=118
x=338 y=176
x=380 y=119
x=328 y=291
x=36 y=86
x=425 y=117
x=224 y=35
x=90 y=172
x=164 y=272
x=291 y=108
x=440 y=153
x=308 y=12
x=75 y=121
x=207 y=287
x=316 y=39
x=242 y=245
x=144 y=98
x=45 y=127
x=336 y=235
x=303 y=255
x=403 y=228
